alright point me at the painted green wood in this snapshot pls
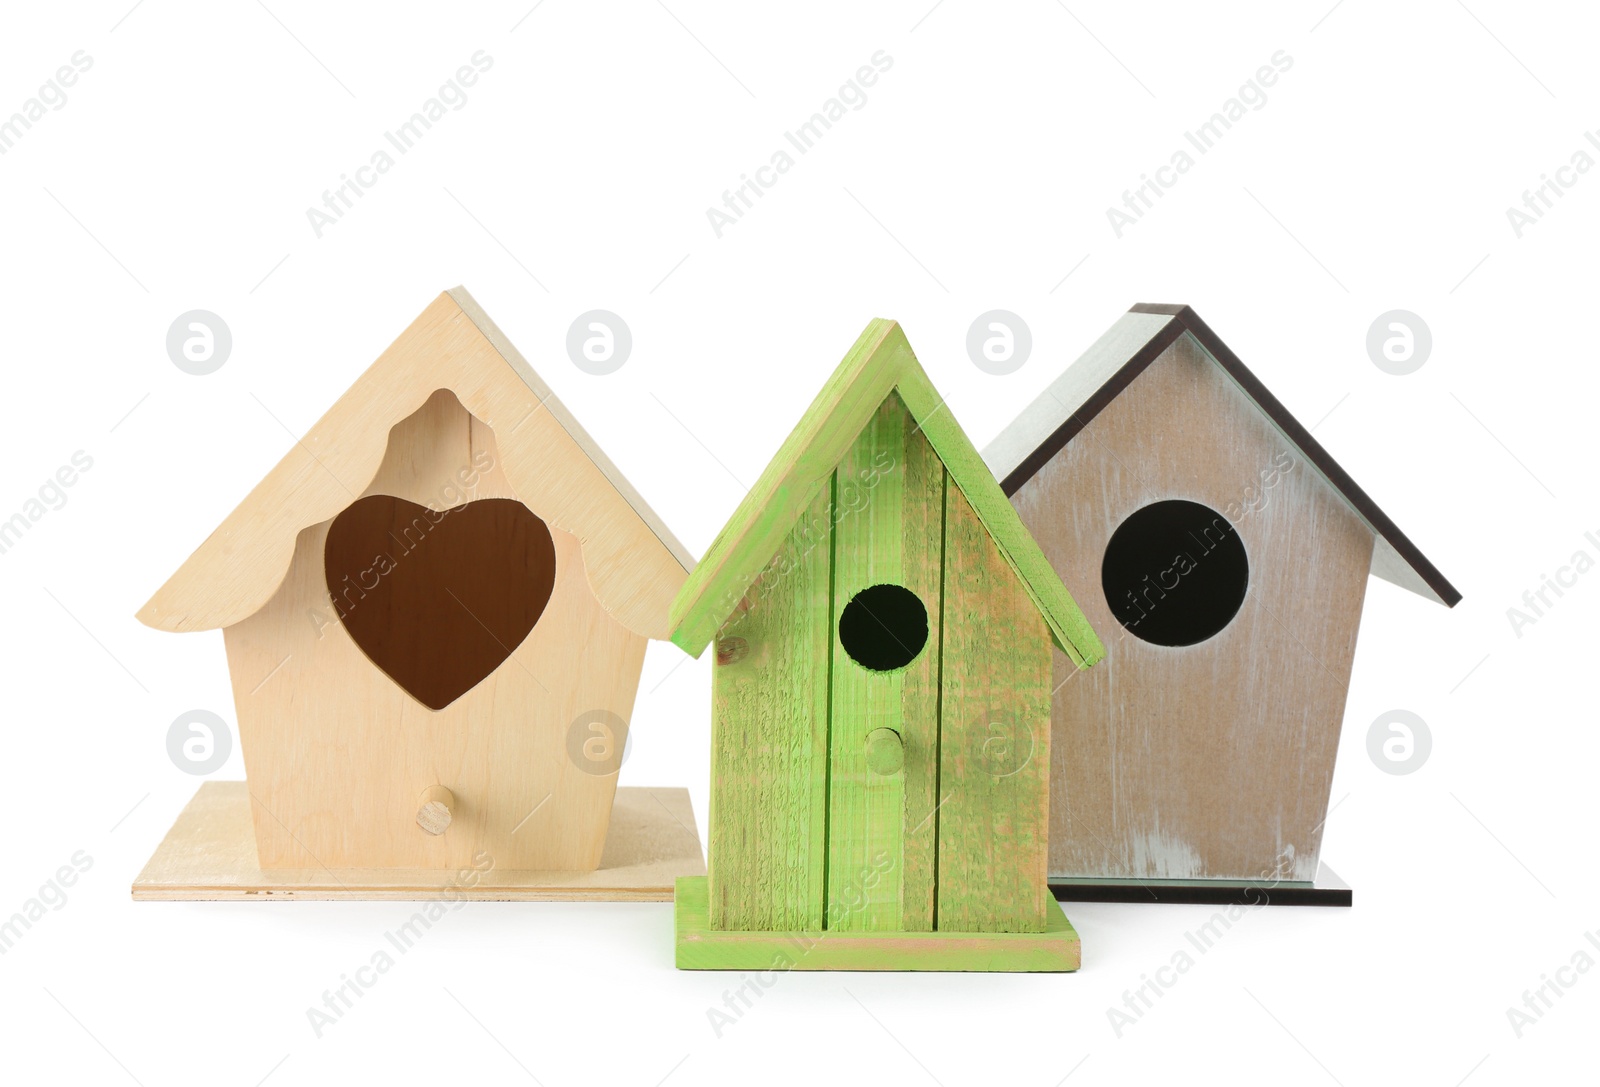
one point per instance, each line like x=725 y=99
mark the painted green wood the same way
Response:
x=769 y=739
x=702 y=947
x=886 y=752
x=806 y=458
x=888 y=528
x=1067 y=625
x=880 y=361
x=995 y=742
x=899 y=814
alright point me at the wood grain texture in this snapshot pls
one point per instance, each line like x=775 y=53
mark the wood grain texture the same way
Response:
x=337 y=753
x=1395 y=557
x=1040 y=429
x=879 y=363
x=700 y=946
x=828 y=744
x=1138 y=338
x=993 y=825
x=634 y=565
x=769 y=738
x=209 y=855
x=434 y=811
x=1210 y=761
x=889 y=512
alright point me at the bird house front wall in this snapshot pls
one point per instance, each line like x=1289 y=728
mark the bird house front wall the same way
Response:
x=339 y=755
x=1210 y=760
x=908 y=795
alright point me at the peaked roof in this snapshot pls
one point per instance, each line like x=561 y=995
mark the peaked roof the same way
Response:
x=881 y=362
x=1111 y=364
x=633 y=562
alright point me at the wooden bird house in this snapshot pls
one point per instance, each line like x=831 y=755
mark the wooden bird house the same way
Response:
x=1230 y=554
x=435 y=609
x=881 y=739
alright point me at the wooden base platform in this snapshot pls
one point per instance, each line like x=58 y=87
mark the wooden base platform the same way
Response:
x=1326 y=890
x=209 y=855
x=700 y=947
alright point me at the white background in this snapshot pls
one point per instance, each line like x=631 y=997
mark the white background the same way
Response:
x=577 y=176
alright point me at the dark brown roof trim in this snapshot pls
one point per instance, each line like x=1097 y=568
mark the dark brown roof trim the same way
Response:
x=1185 y=319
x=1079 y=419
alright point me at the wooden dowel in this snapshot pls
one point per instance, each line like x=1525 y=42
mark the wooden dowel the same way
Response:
x=886 y=753
x=437 y=804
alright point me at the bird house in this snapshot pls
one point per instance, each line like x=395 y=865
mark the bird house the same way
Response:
x=435 y=610
x=883 y=626
x=1230 y=554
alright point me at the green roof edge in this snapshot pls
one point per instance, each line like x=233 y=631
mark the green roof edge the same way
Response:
x=880 y=362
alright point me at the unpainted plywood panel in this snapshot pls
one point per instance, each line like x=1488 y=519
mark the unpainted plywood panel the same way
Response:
x=209 y=855
x=634 y=564
x=338 y=754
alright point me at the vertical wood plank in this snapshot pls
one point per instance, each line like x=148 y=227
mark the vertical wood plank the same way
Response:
x=995 y=747
x=888 y=530
x=769 y=740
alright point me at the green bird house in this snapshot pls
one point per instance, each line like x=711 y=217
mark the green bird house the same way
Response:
x=883 y=628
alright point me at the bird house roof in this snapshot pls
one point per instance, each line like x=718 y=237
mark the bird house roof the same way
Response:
x=879 y=364
x=1112 y=363
x=633 y=562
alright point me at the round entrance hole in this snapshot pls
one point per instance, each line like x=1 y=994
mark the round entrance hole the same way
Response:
x=1175 y=572
x=884 y=627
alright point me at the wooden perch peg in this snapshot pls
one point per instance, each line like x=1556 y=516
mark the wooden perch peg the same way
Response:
x=886 y=752
x=437 y=804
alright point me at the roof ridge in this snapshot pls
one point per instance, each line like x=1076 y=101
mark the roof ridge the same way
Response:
x=632 y=563
x=1181 y=319
x=569 y=422
x=879 y=364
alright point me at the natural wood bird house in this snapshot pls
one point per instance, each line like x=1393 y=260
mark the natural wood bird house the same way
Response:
x=435 y=609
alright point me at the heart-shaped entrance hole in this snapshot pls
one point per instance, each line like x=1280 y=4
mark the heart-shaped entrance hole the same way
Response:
x=438 y=598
